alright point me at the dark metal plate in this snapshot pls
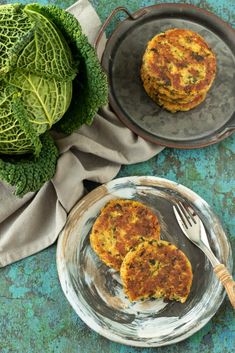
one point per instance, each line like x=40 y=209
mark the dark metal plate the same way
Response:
x=211 y=121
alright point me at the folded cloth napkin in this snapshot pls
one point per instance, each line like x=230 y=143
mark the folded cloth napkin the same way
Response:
x=94 y=153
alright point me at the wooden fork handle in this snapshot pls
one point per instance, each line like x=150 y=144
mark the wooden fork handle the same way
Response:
x=227 y=281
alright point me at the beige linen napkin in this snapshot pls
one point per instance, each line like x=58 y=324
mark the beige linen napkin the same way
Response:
x=94 y=153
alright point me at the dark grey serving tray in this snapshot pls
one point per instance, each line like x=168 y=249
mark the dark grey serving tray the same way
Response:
x=211 y=121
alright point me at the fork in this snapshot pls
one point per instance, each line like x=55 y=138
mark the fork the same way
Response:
x=192 y=226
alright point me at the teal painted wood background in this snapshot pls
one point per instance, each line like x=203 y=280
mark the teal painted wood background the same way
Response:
x=35 y=317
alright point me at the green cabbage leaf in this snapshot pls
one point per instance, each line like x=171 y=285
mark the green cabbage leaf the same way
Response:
x=50 y=78
x=47 y=54
x=46 y=100
x=15 y=31
x=17 y=136
x=90 y=87
x=28 y=173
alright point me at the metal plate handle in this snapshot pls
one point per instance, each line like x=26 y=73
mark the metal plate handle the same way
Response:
x=135 y=16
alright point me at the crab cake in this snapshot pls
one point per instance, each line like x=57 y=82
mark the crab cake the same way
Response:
x=180 y=65
x=156 y=269
x=121 y=225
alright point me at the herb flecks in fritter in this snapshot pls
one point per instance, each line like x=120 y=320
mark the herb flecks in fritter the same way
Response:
x=156 y=269
x=121 y=225
x=178 y=69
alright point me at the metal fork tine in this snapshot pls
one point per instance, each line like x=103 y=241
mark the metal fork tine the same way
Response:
x=182 y=216
x=188 y=213
x=191 y=213
x=185 y=213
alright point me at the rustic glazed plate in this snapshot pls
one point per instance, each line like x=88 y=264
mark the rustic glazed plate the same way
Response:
x=212 y=120
x=95 y=291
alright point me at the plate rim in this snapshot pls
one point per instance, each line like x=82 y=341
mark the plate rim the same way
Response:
x=64 y=277
x=212 y=138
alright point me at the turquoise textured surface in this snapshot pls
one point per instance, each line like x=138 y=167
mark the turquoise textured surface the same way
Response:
x=35 y=315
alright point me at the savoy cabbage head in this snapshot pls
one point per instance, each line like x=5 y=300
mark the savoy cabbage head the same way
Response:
x=50 y=77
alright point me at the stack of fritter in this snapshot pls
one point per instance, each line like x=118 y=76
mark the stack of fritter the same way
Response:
x=178 y=69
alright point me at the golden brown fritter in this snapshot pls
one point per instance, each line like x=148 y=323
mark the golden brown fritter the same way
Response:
x=174 y=106
x=156 y=269
x=121 y=225
x=180 y=66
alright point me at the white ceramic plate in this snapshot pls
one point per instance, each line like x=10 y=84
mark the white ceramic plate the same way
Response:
x=95 y=291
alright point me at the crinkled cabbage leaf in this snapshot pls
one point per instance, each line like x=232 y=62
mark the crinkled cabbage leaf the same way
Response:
x=50 y=77
x=15 y=31
x=47 y=54
x=17 y=136
x=45 y=100
x=41 y=72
